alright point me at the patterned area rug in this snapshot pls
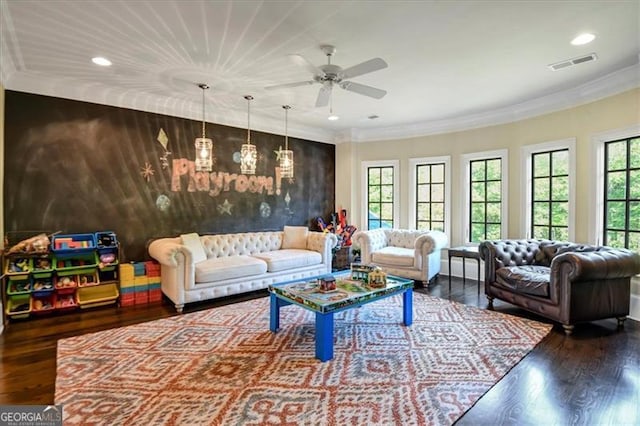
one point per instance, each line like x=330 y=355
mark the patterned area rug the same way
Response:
x=224 y=367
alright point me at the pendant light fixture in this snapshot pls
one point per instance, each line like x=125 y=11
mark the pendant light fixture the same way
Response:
x=248 y=153
x=204 y=145
x=286 y=156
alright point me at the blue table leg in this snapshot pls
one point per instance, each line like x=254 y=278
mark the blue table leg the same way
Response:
x=407 y=307
x=274 y=321
x=324 y=336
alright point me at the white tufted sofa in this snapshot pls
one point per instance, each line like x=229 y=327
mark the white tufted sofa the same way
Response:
x=237 y=263
x=403 y=252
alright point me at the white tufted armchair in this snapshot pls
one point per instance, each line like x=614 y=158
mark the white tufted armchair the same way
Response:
x=403 y=252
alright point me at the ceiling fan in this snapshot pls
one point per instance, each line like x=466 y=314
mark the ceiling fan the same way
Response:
x=330 y=75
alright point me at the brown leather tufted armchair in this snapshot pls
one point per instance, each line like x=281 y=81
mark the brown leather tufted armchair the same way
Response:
x=562 y=281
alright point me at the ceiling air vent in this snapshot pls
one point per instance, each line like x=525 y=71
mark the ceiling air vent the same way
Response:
x=574 y=61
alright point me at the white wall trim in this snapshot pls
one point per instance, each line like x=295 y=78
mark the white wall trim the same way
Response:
x=465 y=160
x=525 y=182
x=634 y=308
x=413 y=163
x=596 y=197
x=365 y=190
x=605 y=86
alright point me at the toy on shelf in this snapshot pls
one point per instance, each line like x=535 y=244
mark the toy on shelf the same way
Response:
x=18 y=266
x=42 y=264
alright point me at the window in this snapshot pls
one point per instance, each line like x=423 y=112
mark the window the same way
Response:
x=550 y=195
x=380 y=184
x=549 y=190
x=485 y=195
x=429 y=183
x=622 y=193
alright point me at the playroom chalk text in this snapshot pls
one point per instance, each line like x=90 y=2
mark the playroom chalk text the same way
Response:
x=184 y=173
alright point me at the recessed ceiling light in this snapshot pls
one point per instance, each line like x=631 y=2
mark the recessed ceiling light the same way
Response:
x=99 y=60
x=583 y=39
x=333 y=117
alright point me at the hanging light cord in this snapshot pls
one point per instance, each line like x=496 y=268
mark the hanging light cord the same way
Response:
x=203 y=116
x=286 y=127
x=248 y=98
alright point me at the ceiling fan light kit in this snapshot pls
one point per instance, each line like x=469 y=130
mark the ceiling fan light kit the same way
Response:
x=330 y=75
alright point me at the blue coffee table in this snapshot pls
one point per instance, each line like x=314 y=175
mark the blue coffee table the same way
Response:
x=348 y=294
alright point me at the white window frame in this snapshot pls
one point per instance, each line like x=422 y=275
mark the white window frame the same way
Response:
x=596 y=202
x=526 y=182
x=413 y=167
x=365 y=165
x=465 y=162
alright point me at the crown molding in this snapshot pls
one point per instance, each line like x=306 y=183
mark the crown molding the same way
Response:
x=611 y=84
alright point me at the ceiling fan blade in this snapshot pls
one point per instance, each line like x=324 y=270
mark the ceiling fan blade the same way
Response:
x=371 y=65
x=363 y=89
x=323 y=95
x=287 y=85
x=304 y=62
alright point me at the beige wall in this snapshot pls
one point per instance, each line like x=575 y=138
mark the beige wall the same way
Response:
x=581 y=123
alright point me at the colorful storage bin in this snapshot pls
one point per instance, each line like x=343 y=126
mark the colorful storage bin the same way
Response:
x=73 y=243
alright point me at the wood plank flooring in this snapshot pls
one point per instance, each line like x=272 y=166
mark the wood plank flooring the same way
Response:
x=590 y=378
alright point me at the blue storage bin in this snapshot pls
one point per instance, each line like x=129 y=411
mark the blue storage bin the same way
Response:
x=73 y=243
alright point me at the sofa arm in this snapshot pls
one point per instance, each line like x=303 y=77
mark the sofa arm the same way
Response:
x=595 y=265
x=169 y=252
x=178 y=268
x=430 y=242
x=322 y=242
x=369 y=242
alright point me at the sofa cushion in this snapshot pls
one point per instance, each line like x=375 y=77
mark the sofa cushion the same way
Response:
x=295 y=237
x=281 y=260
x=226 y=268
x=397 y=256
x=193 y=243
x=529 y=279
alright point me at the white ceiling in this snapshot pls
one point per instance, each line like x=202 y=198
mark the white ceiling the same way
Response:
x=452 y=64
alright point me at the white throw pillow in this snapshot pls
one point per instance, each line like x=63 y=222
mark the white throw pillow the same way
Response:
x=192 y=241
x=295 y=237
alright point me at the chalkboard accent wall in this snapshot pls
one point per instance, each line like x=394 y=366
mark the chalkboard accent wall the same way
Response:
x=81 y=167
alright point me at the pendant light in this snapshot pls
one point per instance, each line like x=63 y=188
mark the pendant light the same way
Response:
x=204 y=145
x=286 y=156
x=248 y=153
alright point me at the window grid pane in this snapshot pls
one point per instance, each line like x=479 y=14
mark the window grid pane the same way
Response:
x=622 y=194
x=550 y=194
x=430 y=196
x=380 y=200
x=485 y=215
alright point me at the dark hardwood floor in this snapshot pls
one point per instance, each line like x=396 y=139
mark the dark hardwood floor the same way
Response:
x=590 y=378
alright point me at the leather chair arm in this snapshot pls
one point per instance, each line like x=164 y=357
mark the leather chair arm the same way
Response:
x=596 y=265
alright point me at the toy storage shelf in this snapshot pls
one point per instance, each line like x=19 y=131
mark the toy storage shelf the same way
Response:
x=79 y=271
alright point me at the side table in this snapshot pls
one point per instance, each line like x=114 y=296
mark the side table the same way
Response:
x=465 y=252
